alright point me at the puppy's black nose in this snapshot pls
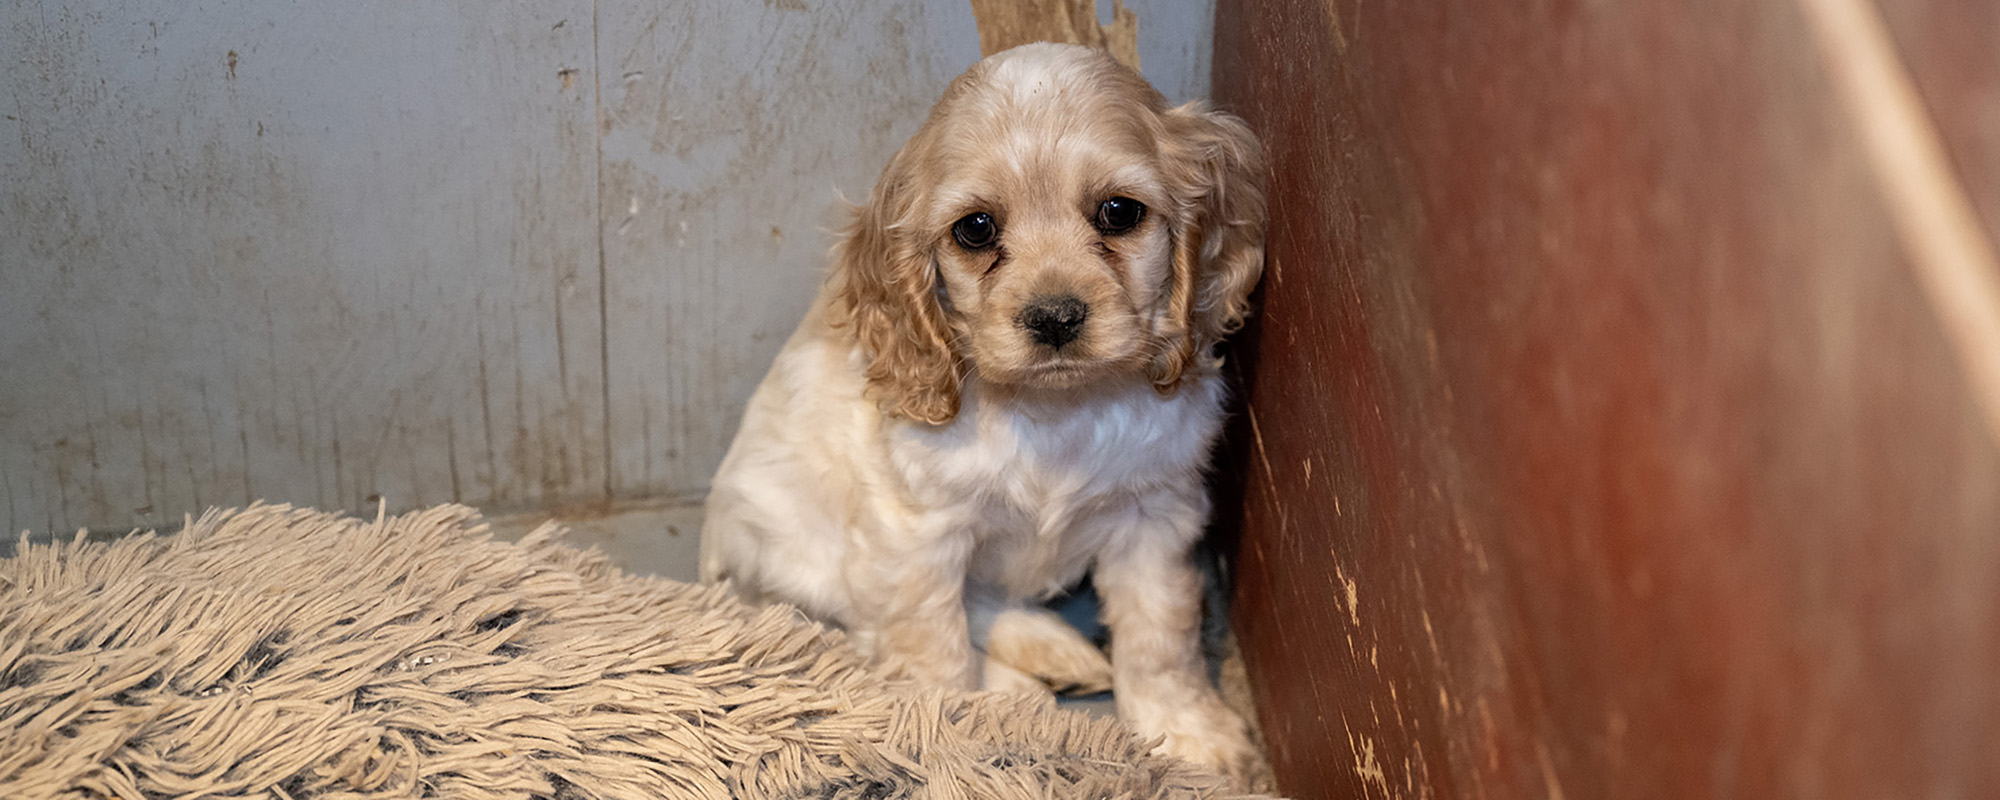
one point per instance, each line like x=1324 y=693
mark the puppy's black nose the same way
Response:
x=1054 y=321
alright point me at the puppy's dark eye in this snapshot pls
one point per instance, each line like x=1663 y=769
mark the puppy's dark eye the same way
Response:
x=1119 y=214
x=975 y=231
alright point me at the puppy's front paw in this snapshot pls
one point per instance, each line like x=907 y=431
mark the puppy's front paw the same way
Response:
x=1207 y=733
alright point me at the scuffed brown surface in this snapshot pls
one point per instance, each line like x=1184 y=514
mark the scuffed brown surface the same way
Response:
x=1599 y=442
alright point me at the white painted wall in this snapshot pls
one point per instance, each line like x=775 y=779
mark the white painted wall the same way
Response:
x=513 y=254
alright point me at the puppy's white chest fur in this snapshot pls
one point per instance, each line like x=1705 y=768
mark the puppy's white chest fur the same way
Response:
x=1042 y=483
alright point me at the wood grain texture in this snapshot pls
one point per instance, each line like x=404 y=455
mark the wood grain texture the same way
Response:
x=1599 y=440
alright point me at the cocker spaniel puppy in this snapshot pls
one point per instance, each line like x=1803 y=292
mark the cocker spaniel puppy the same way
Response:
x=1006 y=383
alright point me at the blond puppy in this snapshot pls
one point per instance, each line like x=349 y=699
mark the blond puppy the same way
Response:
x=1008 y=383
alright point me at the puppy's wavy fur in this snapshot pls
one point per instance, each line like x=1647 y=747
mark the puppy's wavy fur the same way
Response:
x=923 y=463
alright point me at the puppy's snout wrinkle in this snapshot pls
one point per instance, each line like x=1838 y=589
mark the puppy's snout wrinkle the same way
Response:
x=1054 y=321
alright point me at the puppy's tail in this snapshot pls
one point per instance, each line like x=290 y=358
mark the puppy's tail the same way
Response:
x=1036 y=643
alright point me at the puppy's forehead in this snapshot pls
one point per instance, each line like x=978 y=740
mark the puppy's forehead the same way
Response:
x=1051 y=116
x=1058 y=90
x=1037 y=72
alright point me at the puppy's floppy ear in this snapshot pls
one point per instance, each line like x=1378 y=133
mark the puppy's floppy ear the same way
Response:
x=1216 y=168
x=883 y=288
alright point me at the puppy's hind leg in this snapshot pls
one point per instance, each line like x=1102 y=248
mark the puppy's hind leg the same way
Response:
x=1024 y=643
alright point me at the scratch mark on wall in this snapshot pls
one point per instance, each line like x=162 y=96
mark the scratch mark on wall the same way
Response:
x=53 y=510
x=523 y=462
x=1488 y=733
x=1257 y=438
x=187 y=462
x=243 y=450
x=214 y=442
x=319 y=464
x=1270 y=482
x=451 y=458
x=339 y=466
x=562 y=343
x=1366 y=766
x=1554 y=786
x=764 y=49
x=375 y=454
x=146 y=476
x=1430 y=635
x=646 y=435
x=270 y=336
x=1009 y=23
x=1333 y=25
x=603 y=279
x=486 y=397
x=412 y=462
x=1352 y=591
x=96 y=487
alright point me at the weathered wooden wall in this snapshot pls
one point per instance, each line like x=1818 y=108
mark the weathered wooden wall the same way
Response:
x=514 y=254
x=1603 y=438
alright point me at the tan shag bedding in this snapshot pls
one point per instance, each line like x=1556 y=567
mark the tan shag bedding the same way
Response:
x=290 y=654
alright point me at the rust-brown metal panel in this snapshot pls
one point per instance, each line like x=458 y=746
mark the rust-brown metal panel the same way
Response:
x=1600 y=441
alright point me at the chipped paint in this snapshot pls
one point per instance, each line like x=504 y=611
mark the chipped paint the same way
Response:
x=1333 y=25
x=1366 y=767
x=1352 y=591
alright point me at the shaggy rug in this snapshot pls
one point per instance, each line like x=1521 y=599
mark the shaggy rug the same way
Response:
x=288 y=653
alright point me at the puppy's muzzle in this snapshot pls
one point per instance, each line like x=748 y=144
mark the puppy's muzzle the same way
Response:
x=1054 y=321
